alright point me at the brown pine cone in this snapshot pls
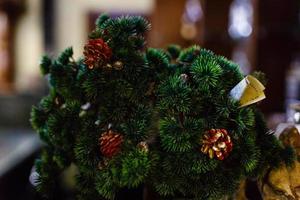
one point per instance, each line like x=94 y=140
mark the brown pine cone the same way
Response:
x=96 y=53
x=110 y=143
x=216 y=143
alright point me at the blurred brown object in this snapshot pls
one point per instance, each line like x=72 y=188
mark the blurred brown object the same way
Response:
x=10 y=10
x=284 y=183
x=166 y=23
x=290 y=137
x=277 y=42
x=241 y=192
x=216 y=25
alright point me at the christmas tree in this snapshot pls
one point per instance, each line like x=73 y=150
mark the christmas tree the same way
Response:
x=126 y=115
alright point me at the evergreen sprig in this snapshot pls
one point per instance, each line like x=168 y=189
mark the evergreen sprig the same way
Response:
x=166 y=99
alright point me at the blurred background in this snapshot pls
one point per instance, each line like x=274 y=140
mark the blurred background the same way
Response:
x=257 y=34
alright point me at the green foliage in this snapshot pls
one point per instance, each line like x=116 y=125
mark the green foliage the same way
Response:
x=201 y=102
x=189 y=54
x=45 y=64
x=134 y=168
x=86 y=187
x=157 y=58
x=65 y=56
x=175 y=95
x=48 y=175
x=206 y=72
x=167 y=99
x=101 y=20
x=174 y=50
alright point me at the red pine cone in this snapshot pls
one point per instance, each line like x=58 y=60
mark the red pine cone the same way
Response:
x=96 y=53
x=216 y=142
x=110 y=143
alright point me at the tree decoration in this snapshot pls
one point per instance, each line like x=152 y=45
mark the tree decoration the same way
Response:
x=108 y=66
x=184 y=77
x=58 y=101
x=216 y=143
x=118 y=65
x=96 y=53
x=103 y=164
x=166 y=97
x=143 y=146
x=110 y=143
x=86 y=106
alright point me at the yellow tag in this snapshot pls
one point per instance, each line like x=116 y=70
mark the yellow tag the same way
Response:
x=248 y=91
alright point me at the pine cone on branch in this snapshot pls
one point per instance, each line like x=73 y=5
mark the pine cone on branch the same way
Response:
x=110 y=143
x=97 y=53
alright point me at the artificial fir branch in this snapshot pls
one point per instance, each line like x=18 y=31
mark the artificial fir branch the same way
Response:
x=162 y=104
